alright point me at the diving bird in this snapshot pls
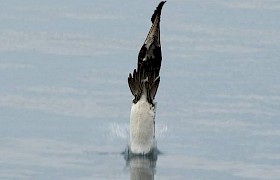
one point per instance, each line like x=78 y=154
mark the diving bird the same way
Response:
x=143 y=84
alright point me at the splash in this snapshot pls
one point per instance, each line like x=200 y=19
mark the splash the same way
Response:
x=119 y=130
x=122 y=130
x=161 y=130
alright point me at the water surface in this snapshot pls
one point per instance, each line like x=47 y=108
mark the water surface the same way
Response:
x=65 y=103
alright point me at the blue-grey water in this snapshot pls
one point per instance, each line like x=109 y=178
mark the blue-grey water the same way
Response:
x=65 y=103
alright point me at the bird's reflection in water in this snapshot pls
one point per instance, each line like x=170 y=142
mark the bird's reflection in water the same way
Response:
x=141 y=167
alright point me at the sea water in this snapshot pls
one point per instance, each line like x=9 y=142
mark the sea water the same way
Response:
x=65 y=102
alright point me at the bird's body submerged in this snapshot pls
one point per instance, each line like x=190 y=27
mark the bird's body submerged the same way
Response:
x=143 y=83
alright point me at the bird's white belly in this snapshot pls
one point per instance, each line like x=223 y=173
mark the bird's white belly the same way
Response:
x=142 y=127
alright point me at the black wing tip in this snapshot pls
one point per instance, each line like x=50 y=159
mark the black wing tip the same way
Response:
x=157 y=11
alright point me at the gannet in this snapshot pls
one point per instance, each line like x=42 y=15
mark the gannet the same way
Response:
x=143 y=84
